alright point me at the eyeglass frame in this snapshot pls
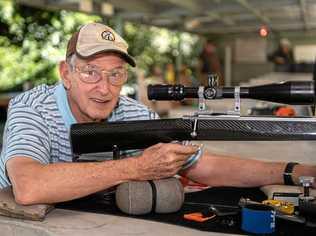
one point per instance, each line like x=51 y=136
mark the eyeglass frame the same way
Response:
x=101 y=73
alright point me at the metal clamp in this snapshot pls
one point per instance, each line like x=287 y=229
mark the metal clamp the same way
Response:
x=201 y=98
x=307 y=182
x=237 y=99
x=236 y=110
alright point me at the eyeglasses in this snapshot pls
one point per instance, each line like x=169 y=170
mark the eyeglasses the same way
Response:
x=92 y=74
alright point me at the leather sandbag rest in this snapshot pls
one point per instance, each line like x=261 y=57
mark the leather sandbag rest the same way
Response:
x=8 y=207
x=143 y=197
x=270 y=189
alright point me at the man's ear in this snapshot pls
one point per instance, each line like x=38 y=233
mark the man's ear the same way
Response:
x=64 y=72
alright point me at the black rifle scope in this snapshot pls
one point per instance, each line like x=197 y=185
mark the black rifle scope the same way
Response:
x=290 y=92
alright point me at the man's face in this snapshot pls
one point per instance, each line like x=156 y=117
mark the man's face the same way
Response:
x=285 y=48
x=93 y=101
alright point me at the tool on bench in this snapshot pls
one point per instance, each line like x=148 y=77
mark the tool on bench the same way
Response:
x=307 y=203
x=211 y=211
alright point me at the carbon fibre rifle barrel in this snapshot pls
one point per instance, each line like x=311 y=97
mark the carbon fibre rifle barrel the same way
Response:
x=290 y=92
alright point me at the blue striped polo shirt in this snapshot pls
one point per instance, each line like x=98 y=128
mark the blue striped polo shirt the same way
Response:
x=38 y=125
x=39 y=121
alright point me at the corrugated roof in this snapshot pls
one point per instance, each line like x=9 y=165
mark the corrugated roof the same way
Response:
x=200 y=16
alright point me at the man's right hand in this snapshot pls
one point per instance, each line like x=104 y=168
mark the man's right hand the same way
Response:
x=162 y=160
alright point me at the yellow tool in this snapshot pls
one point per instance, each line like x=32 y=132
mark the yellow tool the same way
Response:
x=280 y=205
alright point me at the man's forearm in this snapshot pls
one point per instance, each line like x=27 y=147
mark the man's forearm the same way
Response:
x=37 y=183
x=66 y=181
x=216 y=170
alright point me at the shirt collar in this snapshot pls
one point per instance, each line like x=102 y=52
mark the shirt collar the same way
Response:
x=63 y=105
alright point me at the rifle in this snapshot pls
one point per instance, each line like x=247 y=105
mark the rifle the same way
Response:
x=203 y=125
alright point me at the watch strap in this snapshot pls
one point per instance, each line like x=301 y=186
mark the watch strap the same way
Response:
x=287 y=174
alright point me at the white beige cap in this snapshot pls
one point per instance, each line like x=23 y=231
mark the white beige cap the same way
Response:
x=285 y=42
x=95 y=38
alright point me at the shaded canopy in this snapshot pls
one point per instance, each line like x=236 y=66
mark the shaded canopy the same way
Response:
x=200 y=16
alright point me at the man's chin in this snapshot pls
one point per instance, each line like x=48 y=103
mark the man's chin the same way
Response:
x=97 y=114
x=100 y=117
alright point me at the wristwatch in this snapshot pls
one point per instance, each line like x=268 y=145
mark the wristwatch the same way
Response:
x=287 y=174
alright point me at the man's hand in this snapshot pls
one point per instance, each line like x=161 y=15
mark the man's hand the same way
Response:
x=162 y=160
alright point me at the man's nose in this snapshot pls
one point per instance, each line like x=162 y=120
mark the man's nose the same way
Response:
x=104 y=85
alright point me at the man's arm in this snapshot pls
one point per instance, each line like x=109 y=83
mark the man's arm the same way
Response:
x=217 y=170
x=34 y=182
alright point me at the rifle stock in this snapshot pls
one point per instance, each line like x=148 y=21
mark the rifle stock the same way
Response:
x=103 y=137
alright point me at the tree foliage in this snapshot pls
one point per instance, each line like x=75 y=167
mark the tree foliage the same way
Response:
x=32 y=41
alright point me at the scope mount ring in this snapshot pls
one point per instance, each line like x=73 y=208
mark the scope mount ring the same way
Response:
x=201 y=98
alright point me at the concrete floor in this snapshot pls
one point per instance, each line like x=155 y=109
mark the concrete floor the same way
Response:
x=295 y=151
x=70 y=223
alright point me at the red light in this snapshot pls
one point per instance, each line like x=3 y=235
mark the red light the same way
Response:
x=263 y=31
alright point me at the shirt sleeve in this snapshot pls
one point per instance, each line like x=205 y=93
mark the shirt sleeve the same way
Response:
x=25 y=135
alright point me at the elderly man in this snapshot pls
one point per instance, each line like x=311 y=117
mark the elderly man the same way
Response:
x=36 y=156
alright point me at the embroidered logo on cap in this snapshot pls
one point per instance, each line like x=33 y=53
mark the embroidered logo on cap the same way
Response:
x=108 y=35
